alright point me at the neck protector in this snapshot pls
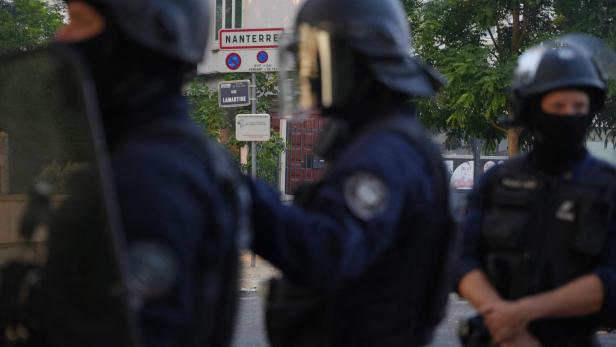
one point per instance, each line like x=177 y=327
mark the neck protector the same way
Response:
x=129 y=79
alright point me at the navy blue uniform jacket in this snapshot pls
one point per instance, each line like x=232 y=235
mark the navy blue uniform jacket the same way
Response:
x=165 y=193
x=368 y=260
x=472 y=250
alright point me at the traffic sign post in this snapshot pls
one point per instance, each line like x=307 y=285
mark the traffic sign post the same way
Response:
x=234 y=93
x=253 y=259
x=249 y=50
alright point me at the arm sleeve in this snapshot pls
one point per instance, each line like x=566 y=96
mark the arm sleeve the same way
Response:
x=327 y=244
x=607 y=273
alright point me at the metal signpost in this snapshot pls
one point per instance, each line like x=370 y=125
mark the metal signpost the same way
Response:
x=234 y=93
x=253 y=128
x=253 y=149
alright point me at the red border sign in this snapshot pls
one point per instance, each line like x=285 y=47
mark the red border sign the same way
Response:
x=221 y=31
x=233 y=61
x=262 y=57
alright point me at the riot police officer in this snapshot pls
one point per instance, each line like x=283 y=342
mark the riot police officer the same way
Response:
x=178 y=210
x=539 y=249
x=364 y=251
x=173 y=206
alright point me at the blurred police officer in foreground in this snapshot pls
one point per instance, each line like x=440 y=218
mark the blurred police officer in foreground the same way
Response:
x=175 y=206
x=363 y=251
x=539 y=251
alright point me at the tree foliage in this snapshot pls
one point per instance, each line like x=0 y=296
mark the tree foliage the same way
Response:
x=214 y=121
x=475 y=44
x=596 y=17
x=204 y=108
x=25 y=24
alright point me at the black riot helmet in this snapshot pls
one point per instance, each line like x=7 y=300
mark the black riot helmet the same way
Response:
x=175 y=28
x=339 y=44
x=553 y=66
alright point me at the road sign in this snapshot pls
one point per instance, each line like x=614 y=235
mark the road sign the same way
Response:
x=262 y=57
x=265 y=60
x=233 y=61
x=261 y=38
x=234 y=93
x=252 y=127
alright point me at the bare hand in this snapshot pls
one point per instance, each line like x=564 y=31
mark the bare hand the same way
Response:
x=504 y=319
x=524 y=339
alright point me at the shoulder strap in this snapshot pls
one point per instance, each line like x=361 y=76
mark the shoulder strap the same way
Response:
x=442 y=220
x=227 y=176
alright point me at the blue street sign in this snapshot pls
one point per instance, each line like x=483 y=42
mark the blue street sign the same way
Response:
x=262 y=57
x=233 y=61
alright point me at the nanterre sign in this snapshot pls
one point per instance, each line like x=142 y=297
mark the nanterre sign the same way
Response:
x=234 y=39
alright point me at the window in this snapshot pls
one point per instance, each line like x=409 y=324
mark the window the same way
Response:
x=228 y=15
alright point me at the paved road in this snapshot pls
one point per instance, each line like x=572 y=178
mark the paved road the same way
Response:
x=249 y=330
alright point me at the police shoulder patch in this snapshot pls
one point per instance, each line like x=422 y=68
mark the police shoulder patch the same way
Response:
x=366 y=195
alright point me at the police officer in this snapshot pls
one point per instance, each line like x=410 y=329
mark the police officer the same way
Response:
x=363 y=250
x=539 y=249
x=175 y=206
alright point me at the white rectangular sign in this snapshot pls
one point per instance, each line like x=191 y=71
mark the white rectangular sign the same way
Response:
x=253 y=127
x=236 y=39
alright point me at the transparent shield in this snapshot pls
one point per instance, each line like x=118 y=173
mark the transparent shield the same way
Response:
x=528 y=64
x=602 y=54
x=56 y=210
x=288 y=89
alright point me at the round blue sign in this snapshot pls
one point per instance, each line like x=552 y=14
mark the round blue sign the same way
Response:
x=234 y=61
x=262 y=57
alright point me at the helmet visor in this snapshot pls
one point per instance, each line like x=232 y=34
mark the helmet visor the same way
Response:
x=315 y=71
x=602 y=54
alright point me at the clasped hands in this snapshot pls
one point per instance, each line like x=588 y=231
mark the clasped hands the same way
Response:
x=507 y=322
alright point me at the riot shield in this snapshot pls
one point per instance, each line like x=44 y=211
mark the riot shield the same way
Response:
x=62 y=280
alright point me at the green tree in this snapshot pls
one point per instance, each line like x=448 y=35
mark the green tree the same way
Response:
x=25 y=24
x=268 y=153
x=214 y=120
x=596 y=17
x=475 y=44
x=204 y=108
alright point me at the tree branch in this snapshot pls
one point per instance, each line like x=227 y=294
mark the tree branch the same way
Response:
x=515 y=27
x=497 y=127
x=498 y=50
x=525 y=21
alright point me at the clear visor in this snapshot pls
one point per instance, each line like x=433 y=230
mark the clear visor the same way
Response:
x=306 y=82
x=528 y=64
x=601 y=54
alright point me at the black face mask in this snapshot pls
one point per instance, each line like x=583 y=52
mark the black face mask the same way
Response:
x=129 y=79
x=559 y=140
x=97 y=53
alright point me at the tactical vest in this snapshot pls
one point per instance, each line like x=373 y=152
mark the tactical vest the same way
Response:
x=540 y=232
x=302 y=317
x=214 y=317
